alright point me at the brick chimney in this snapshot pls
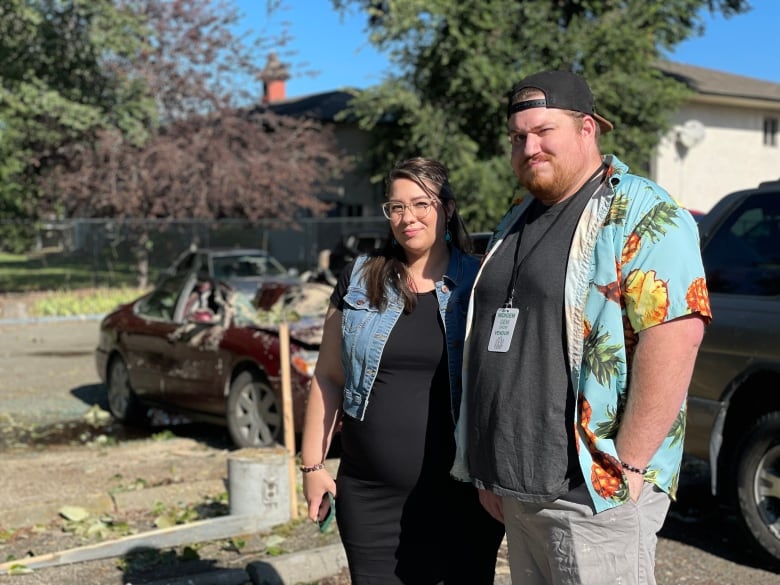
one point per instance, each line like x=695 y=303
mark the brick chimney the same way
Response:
x=274 y=76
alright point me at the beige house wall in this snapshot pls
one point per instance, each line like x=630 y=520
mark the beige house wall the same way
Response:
x=730 y=156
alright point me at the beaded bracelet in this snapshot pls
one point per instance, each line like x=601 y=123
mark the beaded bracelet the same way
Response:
x=633 y=469
x=309 y=469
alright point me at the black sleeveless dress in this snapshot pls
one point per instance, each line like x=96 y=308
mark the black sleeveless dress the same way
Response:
x=401 y=517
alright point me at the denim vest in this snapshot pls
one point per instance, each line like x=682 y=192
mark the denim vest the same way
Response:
x=365 y=330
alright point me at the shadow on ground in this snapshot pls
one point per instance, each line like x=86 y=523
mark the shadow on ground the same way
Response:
x=699 y=520
x=92 y=395
x=97 y=425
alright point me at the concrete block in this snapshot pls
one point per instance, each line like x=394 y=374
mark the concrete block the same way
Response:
x=301 y=567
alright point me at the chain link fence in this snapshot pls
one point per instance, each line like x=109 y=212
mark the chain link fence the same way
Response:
x=110 y=247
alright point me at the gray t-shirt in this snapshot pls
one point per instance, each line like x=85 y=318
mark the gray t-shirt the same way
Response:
x=521 y=403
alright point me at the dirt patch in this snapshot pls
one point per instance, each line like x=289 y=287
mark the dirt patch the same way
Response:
x=156 y=565
x=126 y=482
x=78 y=496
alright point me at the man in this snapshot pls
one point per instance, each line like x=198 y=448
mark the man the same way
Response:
x=584 y=325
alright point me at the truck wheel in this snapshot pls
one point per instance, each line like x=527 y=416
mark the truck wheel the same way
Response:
x=254 y=418
x=122 y=401
x=758 y=485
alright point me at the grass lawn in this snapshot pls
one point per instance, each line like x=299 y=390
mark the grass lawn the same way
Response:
x=66 y=285
x=44 y=272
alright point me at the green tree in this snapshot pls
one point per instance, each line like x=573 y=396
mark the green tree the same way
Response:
x=58 y=86
x=457 y=59
x=212 y=155
x=143 y=109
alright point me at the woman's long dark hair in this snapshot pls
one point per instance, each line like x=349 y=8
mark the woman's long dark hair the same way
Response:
x=388 y=265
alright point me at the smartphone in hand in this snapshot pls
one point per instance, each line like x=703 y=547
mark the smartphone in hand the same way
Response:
x=328 y=518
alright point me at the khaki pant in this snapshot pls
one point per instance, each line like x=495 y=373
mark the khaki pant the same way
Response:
x=565 y=543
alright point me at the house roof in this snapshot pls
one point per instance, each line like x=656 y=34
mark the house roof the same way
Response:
x=718 y=83
x=319 y=106
x=709 y=84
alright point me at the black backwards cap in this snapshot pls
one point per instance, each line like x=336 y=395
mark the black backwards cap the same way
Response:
x=563 y=90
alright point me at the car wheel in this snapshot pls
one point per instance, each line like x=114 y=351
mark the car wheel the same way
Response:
x=254 y=417
x=122 y=401
x=758 y=485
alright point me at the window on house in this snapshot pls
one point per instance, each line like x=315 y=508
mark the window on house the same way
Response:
x=770 y=131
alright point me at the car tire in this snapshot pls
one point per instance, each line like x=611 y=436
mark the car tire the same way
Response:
x=122 y=400
x=254 y=417
x=757 y=482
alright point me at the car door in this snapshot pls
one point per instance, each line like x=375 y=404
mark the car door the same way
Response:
x=147 y=343
x=195 y=378
x=742 y=263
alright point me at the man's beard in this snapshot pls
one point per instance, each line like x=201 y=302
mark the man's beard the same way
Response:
x=549 y=186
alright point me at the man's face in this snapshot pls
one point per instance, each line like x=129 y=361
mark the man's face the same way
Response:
x=548 y=152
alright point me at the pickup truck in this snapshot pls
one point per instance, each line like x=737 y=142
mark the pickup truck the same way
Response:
x=734 y=397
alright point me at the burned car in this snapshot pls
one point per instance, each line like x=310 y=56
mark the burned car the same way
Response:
x=196 y=346
x=244 y=269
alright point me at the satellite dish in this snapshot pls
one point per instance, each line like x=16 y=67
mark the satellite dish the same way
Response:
x=690 y=134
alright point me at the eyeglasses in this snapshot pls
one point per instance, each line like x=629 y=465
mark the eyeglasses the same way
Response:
x=395 y=209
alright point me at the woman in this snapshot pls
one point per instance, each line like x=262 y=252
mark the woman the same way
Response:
x=389 y=370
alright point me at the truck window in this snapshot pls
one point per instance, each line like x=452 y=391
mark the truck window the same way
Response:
x=743 y=255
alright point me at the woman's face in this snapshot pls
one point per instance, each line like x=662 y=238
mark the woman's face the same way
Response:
x=417 y=220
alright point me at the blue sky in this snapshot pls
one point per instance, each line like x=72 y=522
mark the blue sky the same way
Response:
x=338 y=48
